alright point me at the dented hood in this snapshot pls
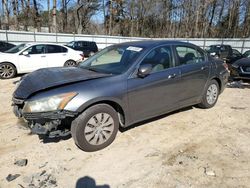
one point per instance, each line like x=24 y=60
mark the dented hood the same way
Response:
x=52 y=77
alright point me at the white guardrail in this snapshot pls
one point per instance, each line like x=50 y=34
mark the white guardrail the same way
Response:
x=102 y=41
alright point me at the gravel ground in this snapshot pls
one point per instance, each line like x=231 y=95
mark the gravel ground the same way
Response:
x=189 y=148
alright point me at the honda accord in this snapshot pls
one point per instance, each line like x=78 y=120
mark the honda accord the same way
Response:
x=117 y=87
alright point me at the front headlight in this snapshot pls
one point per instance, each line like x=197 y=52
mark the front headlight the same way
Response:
x=57 y=102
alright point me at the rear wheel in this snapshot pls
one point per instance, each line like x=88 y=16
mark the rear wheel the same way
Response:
x=70 y=63
x=7 y=70
x=95 y=128
x=211 y=95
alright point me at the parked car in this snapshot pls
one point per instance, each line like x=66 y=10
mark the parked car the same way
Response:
x=26 y=58
x=246 y=53
x=241 y=70
x=87 y=47
x=224 y=52
x=113 y=89
x=5 y=46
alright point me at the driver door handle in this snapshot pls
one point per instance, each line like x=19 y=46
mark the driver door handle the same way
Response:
x=43 y=56
x=203 y=67
x=171 y=76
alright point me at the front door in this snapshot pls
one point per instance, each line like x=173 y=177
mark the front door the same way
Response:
x=158 y=92
x=35 y=59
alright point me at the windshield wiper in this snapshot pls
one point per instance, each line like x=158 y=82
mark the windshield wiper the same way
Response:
x=91 y=69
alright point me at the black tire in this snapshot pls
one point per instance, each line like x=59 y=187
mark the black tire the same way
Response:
x=7 y=70
x=70 y=63
x=205 y=103
x=81 y=124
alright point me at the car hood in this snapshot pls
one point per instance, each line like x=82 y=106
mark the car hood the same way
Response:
x=52 y=77
x=242 y=62
x=6 y=55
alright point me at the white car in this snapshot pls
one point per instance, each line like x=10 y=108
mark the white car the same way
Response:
x=28 y=57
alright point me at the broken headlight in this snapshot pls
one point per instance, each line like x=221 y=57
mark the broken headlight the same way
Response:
x=57 y=102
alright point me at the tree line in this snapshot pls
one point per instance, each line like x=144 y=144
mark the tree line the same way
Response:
x=140 y=18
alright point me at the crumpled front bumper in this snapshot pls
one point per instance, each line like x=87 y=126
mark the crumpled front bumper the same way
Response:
x=45 y=123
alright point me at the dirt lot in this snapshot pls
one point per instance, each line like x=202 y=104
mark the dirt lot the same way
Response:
x=189 y=148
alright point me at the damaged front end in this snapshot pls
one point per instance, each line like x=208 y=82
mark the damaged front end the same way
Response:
x=50 y=124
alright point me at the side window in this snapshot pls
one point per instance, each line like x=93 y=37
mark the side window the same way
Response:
x=54 y=49
x=188 y=55
x=64 y=49
x=79 y=44
x=236 y=53
x=160 y=59
x=36 y=49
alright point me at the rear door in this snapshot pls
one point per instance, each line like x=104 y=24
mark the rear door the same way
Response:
x=56 y=55
x=194 y=72
x=35 y=59
x=158 y=92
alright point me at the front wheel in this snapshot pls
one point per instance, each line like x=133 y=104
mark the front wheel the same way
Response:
x=211 y=95
x=95 y=128
x=7 y=70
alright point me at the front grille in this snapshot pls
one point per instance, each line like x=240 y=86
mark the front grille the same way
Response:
x=49 y=115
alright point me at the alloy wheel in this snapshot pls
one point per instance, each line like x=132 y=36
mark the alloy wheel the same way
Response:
x=212 y=94
x=6 y=71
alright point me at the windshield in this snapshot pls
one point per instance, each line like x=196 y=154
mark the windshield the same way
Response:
x=71 y=44
x=16 y=49
x=213 y=48
x=112 y=60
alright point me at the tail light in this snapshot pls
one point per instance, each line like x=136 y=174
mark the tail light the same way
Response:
x=226 y=67
x=82 y=55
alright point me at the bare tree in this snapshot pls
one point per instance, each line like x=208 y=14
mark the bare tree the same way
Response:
x=84 y=11
x=54 y=25
x=48 y=6
x=6 y=14
x=14 y=8
x=36 y=17
x=110 y=16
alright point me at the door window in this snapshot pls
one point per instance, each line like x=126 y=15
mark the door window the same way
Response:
x=36 y=49
x=56 y=49
x=160 y=59
x=236 y=53
x=188 y=55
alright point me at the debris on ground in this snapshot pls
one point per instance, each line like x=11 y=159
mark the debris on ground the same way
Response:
x=209 y=172
x=41 y=180
x=11 y=177
x=21 y=162
x=43 y=165
x=238 y=108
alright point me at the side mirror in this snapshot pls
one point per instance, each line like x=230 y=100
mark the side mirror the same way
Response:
x=213 y=54
x=144 y=70
x=25 y=53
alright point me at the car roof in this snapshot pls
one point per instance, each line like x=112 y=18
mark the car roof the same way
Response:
x=37 y=43
x=220 y=45
x=154 y=43
x=83 y=41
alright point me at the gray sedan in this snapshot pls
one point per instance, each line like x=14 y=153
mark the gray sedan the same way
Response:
x=119 y=86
